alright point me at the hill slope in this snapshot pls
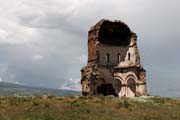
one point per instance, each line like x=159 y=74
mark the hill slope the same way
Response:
x=9 y=89
x=88 y=108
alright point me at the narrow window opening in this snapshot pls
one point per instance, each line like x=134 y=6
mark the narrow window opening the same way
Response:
x=107 y=57
x=129 y=55
x=119 y=58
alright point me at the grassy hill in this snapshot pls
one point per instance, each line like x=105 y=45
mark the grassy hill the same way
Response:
x=9 y=89
x=88 y=108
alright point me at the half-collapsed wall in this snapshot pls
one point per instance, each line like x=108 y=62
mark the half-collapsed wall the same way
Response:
x=113 y=66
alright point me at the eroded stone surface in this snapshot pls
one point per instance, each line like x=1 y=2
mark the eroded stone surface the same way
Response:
x=113 y=66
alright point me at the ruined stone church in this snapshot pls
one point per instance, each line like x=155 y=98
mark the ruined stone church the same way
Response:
x=113 y=66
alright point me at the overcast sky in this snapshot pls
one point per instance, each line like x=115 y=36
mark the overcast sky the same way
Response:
x=44 y=42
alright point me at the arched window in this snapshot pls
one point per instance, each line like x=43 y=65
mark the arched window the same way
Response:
x=131 y=84
x=129 y=56
x=107 y=57
x=119 y=58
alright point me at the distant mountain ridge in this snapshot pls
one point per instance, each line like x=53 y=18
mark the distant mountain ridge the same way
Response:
x=11 y=89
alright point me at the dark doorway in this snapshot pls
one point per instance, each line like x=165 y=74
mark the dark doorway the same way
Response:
x=132 y=84
x=106 y=89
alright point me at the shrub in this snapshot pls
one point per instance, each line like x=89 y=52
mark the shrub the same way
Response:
x=119 y=104
x=126 y=103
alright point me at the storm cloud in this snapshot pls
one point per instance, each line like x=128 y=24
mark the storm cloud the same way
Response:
x=44 y=43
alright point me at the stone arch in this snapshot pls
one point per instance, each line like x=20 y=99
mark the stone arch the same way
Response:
x=120 y=77
x=131 y=80
x=117 y=85
x=131 y=84
x=131 y=75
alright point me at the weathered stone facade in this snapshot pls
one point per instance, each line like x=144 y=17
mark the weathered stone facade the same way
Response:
x=113 y=66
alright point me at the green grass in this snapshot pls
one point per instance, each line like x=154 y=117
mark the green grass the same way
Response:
x=88 y=108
